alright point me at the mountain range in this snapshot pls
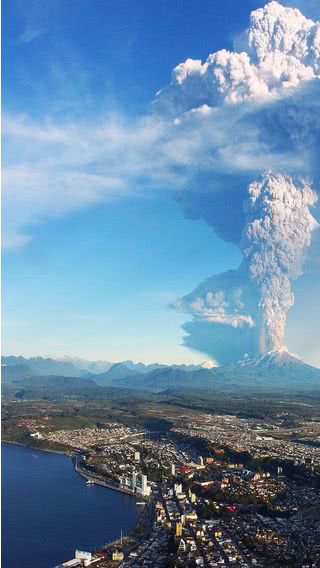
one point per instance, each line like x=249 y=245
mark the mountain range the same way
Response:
x=273 y=371
x=77 y=367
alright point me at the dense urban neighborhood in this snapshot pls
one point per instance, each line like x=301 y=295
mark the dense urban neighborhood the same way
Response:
x=214 y=489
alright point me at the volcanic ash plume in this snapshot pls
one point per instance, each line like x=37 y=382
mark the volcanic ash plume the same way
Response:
x=240 y=113
x=277 y=230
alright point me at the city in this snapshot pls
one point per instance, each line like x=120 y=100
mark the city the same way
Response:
x=160 y=368
x=210 y=511
x=214 y=489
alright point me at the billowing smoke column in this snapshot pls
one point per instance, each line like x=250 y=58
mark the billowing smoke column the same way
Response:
x=278 y=229
x=254 y=111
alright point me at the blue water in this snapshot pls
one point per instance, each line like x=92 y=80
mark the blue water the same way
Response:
x=48 y=510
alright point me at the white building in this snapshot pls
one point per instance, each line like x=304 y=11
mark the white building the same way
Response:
x=144 y=485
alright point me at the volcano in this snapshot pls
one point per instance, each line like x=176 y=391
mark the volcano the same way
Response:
x=270 y=372
x=275 y=370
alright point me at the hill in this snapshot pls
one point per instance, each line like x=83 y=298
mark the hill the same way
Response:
x=55 y=387
x=168 y=378
x=13 y=372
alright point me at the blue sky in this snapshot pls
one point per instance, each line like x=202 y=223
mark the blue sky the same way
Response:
x=98 y=284
x=82 y=56
x=85 y=274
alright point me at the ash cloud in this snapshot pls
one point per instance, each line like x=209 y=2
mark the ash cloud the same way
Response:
x=281 y=49
x=277 y=231
x=226 y=299
x=257 y=112
x=224 y=316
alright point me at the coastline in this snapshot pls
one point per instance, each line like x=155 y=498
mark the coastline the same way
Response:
x=129 y=538
x=83 y=474
x=127 y=518
x=67 y=454
x=101 y=483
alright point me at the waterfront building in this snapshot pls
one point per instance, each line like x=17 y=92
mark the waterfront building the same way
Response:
x=138 y=483
x=117 y=555
x=85 y=557
x=144 y=485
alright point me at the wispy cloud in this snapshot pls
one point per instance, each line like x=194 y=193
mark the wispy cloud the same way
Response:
x=214 y=128
x=28 y=36
x=53 y=168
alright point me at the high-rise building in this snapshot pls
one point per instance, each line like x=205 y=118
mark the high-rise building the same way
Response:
x=144 y=485
x=179 y=529
x=139 y=484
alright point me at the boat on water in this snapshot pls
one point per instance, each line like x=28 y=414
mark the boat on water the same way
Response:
x=140 y=503
x=90 y=482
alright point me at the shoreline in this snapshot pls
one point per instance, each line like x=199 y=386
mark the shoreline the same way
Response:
x=80 y=472
x=60 y=452
x=106 y=540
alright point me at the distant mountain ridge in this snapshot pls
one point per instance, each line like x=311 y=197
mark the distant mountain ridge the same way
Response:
x=42 y=365
x=273 y=371
x=78 y=367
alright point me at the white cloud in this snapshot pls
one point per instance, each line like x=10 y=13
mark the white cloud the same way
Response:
x=28 y=36
x=51 y=170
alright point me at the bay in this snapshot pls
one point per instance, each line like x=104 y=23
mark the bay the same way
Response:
x=48 y=510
